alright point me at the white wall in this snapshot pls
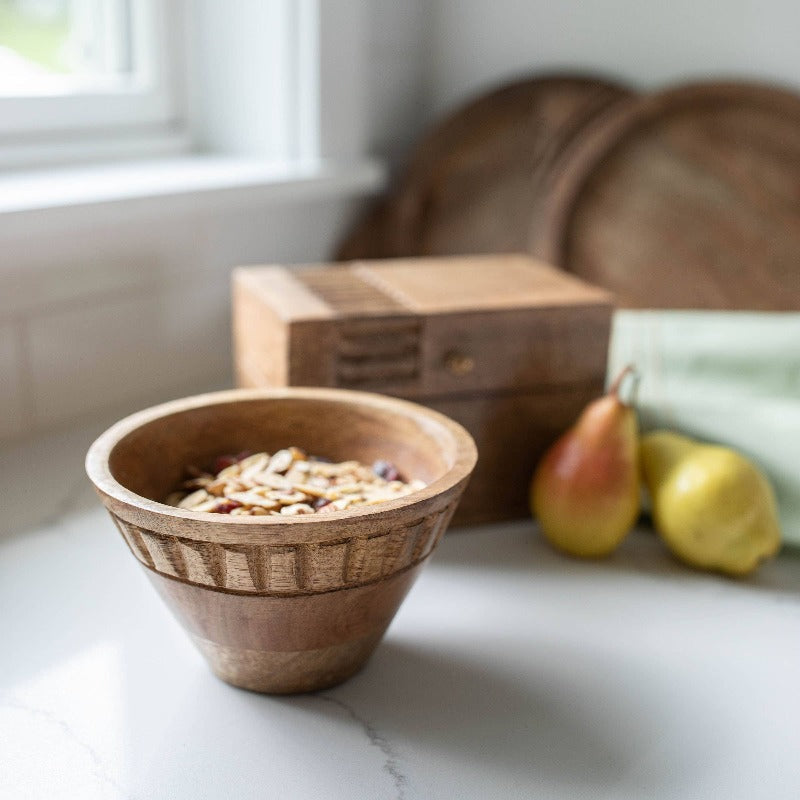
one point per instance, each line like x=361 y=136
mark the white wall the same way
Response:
x=397 y=91
x=477 y=43
x=121 y=313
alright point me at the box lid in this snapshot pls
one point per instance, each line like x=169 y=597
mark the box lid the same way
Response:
x=433 y=326
x=488 y=283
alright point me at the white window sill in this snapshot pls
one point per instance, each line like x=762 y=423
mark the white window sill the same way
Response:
x=168 y=185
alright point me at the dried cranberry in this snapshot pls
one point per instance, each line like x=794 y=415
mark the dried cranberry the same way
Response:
x=228 y=460
x=226 y=507
x=223 y=462
x=386 y=470
x=320 y=502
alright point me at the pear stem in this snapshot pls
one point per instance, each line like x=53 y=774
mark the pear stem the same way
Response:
x=631 y=372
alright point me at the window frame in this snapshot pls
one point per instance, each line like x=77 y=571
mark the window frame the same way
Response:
x=309 y=104
x=151 y=100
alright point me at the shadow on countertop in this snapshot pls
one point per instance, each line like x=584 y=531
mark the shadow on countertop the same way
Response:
x=557 y=726
x=524 y=549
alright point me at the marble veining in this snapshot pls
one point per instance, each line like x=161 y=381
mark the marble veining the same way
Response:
x=99 y=768
x=391 y=763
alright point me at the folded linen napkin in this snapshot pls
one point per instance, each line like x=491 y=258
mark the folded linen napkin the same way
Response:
x=722 y=376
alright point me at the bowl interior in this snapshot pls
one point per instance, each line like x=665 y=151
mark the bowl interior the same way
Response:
x=151 y=459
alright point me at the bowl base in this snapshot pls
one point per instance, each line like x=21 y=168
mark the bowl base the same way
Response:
x=286 y=644
x=288 y=672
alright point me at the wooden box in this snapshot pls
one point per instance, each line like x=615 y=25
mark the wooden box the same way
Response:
x=511 y=348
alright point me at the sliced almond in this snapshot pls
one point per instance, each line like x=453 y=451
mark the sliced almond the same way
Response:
x=297 y=508
x=198 y=483
x=256 y=467
x=349 y=488
x=256 y=458
x=194 y=499
x=280 y=461
x=217 y=488
x=313 y=491
x=253 y=499
x=232 y=471
x=272 y=480
x=287 y=498
x=208 y=505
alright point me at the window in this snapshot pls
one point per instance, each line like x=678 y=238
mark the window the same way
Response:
x=279 y=81
x=58 y=46
x=71 y=66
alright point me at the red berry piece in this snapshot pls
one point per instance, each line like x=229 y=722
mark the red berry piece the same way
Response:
x=226 y=507
x=223 y=462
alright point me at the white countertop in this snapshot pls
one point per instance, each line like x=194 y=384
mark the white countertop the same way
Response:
x=509 y=672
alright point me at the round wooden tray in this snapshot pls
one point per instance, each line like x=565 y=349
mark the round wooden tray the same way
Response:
x=474 y=183
x=688 y=198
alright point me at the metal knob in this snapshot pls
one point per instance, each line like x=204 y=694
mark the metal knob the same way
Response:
x=459 y=363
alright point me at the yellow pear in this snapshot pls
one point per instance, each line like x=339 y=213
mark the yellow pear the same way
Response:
x=712 y=507
x=585 y=491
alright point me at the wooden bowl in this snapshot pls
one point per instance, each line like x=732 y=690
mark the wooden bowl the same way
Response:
x=288 y=604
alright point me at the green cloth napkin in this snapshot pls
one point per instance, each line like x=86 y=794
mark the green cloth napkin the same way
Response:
x=723 y=376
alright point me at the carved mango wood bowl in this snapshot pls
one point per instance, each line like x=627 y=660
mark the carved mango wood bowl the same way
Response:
x=294 y=603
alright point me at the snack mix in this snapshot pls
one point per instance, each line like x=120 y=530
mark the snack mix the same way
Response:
x=288 y=482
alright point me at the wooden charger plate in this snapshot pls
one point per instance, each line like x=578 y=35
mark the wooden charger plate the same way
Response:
x=688 y=198
x=475 y=183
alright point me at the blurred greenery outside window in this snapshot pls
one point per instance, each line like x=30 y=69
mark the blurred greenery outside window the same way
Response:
x=92 y=80
x=78 y=75
x=66 y=45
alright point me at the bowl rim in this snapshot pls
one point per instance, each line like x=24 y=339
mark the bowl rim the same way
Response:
x=99 y=472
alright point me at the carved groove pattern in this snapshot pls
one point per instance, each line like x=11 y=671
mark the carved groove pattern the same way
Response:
x=345 y=292
x=288 y=569
x=131 y=534
x=380 y=344
x=388 y=351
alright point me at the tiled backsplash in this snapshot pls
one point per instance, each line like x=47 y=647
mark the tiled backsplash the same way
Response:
x=135 y=312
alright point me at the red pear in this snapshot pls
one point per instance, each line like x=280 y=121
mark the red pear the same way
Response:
x=585 y=491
